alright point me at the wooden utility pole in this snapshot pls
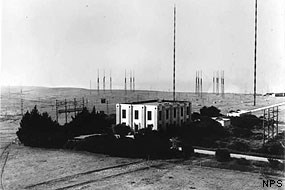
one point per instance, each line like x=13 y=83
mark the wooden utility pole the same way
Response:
x=133 y=80
x=110 y=81
x=65 y=108
x=56 y=110
x=75 y=104
x=90 y=87
x=104 y=82
x=214 y=85
x=125 y=82
x=255 y=47
x=98 y=81
x=174 y=53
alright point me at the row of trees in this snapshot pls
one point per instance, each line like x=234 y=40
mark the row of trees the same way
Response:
x=40 y=130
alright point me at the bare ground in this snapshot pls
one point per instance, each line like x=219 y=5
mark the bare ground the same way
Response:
x=36 y=168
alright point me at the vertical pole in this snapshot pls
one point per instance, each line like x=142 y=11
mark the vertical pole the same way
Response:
x=214 y=83
x=273 y=122
x=263 y=126
x=56 y=110
x=223 y=83
x=110 y=81
x=82 y=102
x=218 y=81
x=198 y=83
x=277 y=119
x=65 y=107
x=90 y=87
x=74 y=107
x=134 y=81
x=131 y=81
x=174 y=54
x=22 y=103
x=201 y=83
x=98 y=81
x=268 y=123
x=255 y=47
x=125 y=82
x=104 y=82
x=107 y=107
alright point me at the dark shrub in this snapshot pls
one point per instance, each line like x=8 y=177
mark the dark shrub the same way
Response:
x=40 y=130
x=202 y=133
x=223 y=155
x=89 y=123
x=122 y=130
x=276 y=164
x=99 y=144
x=243 y=161
x=187 y=150
x=152 y=145
x=195 y=116
x=247 y=121
x=210 y=111
x=241 y=132
x=273 y=147
x=239 y=146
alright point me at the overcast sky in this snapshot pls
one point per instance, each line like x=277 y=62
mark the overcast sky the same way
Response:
x=64 y=42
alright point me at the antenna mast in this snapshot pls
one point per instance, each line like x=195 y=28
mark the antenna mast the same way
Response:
x=98 y=81
x=174 y=54
x=255 y=45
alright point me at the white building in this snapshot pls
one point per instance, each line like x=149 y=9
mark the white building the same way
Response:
x=153 y=113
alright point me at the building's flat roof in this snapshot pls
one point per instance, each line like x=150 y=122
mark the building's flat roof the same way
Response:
x=156 y=102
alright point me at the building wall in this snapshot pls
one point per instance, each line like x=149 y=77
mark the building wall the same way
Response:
x=156 y=122
x=153 y=121
x=140 y=121
x=170 y=108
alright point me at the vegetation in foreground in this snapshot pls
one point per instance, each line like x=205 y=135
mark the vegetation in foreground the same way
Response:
x=39 y=130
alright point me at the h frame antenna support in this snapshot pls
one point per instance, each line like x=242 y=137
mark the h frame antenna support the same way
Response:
x=174 y=53
x=255 y=47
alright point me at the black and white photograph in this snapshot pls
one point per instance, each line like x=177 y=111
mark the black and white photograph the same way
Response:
x=141 y=94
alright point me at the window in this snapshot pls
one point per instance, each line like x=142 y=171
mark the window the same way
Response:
x=136 y=114
x=167 y=114
x=148 y=115
x=159 y=115
x=181 y=111
x=124 y=114
x=174 y=112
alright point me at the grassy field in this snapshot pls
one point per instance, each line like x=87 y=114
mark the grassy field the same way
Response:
x=34 y=168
